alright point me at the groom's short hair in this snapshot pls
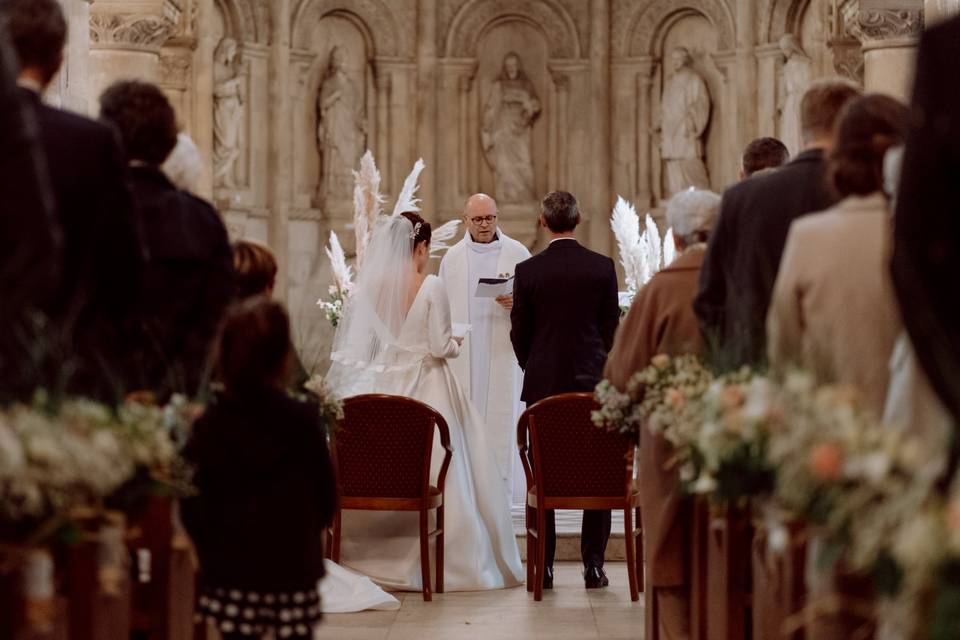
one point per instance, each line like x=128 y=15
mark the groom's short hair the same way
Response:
x=561 y=211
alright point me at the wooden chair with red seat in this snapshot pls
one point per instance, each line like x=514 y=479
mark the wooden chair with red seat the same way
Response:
x=382 y=454
x=571 y=464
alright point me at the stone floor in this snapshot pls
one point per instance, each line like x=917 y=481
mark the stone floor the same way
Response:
x=568 y=612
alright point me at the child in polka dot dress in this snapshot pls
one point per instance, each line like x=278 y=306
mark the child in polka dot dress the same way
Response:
x=265 y=487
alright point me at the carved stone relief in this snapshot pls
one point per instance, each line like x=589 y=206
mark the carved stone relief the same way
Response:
x=228 y=113
x=685 y=112
x=341 y=129
x=511 y=107
x=129 y=31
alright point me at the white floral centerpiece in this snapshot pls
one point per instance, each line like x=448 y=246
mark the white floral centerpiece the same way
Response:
x=79 y=454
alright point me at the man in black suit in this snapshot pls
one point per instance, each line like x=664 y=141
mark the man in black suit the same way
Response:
x=565 y=313
x=102 y=252
x=29 y=236
x=741 y=265
x=188 y=281
x=926 y=255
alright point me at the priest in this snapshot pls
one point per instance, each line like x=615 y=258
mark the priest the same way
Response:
x=487 y=366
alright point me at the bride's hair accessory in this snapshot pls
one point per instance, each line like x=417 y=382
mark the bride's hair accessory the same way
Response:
x=416 y=230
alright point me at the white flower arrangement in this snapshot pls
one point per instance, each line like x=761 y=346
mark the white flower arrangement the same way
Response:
x=79 y=455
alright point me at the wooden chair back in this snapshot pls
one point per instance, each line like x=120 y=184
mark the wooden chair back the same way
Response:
x=384 y=447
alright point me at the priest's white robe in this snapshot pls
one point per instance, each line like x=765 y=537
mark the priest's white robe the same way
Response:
x=490 y=336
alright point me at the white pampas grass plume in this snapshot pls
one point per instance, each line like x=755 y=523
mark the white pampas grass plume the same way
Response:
x=669 y=249
x=651 y=239
x=407 y=201
x=626 y=227
x=367 y=203
x=342 y=272
x=442 y=235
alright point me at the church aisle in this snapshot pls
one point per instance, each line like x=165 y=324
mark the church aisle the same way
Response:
x=569 y=611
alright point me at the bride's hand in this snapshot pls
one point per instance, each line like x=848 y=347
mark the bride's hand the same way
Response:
x=458 y=340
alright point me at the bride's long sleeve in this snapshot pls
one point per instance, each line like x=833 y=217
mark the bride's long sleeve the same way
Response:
x=439 y=331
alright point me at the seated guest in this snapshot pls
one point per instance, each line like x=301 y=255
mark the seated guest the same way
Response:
x=661 y=321
x=745 y=249
x=255 y=268
x=763 y=155
x=103 y=256
x=188 y=281
x=833 y=309
x=266 y=490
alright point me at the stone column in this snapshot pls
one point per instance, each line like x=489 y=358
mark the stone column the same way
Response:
x=456 y=150
x=427 y=99
x=126 y=37
x=768 y=57
x=201 y=128
x=746 y=74
x=69 y=88
x=601 y=238
x=280 y=185
x=645 y=79
x=727 y=105
x=560 y=161
x=935 y=11
x=891 y=30
x=382 y=149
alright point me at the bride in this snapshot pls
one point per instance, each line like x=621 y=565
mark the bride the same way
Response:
x=395 y=338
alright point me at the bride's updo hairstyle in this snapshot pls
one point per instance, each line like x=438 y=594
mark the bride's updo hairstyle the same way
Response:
x=421 y=231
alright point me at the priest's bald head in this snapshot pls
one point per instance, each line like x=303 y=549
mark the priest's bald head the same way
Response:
x=480 y=215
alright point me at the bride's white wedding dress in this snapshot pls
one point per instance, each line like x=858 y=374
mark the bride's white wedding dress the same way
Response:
x=482 y=551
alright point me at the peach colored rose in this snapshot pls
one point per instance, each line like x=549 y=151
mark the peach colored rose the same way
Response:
x=661 y=361
x=826 y=462
x=675 y=399
x=731 y=397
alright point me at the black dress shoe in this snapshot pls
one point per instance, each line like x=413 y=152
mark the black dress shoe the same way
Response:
x=548 y=577
x=595 y=578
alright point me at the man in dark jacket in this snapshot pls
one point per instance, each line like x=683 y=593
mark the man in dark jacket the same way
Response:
x=926 y=256
x=188 y=280
x=102 y=252
x=745 y=250
x=565 y=314
x=29 y=236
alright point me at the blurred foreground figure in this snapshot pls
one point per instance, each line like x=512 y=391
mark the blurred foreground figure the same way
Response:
x=29 y=235
x=92 y=309
x=926 y=256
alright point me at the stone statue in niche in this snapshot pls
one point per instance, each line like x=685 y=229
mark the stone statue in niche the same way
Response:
x=228 y=98
x=341 y=130
x=508 y=116
x=685 y=112
x=794 y=81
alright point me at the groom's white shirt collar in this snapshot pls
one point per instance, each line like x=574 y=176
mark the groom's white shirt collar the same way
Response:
x=560 y=240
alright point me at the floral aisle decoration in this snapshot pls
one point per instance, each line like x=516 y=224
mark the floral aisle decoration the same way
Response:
x=331 y=407
x=641 y=255
x=368 y=213
x=56 y=459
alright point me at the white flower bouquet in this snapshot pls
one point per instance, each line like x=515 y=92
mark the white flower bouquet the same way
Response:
x=77 y=455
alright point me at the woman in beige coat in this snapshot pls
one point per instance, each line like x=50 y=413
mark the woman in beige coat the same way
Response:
x=661 y=320
x=833 y=309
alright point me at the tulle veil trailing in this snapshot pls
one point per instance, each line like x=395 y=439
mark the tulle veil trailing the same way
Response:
x=366 y=342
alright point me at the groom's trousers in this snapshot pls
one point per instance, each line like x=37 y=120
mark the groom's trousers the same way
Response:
x=594 y=534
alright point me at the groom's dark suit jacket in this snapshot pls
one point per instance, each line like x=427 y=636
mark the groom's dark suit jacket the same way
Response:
x=565 y=314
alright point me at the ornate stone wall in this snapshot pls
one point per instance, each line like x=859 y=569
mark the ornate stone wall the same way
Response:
x=282 y=95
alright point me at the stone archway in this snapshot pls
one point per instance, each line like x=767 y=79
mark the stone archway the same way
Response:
x=475 y=17
x=779 y=17
x=639 y=33
x=245 y=19
x=374 y=18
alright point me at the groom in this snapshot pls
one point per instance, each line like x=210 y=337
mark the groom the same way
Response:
x=565 y=313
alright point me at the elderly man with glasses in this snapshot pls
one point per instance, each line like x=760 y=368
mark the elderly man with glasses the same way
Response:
x=487 y=365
